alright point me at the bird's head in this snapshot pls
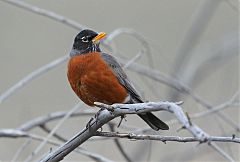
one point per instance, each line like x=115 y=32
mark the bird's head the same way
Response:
x=86 y=41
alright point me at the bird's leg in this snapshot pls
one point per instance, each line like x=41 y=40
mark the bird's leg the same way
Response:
x=122 y=117
x=89 y=123
x=98 y=113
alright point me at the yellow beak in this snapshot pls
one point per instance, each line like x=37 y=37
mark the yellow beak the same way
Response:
x=99 y=36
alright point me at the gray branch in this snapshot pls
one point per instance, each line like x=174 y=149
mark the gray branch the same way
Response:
x=112 y=111
x=166 y=138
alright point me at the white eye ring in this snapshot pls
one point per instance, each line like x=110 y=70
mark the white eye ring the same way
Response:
x=84 y=39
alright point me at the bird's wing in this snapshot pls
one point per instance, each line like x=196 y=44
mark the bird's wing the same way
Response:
x=154 y=122
x=121 y=76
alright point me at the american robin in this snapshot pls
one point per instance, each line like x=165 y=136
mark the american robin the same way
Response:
x=97 y=77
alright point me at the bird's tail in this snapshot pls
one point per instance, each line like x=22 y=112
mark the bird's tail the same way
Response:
x=153 y=121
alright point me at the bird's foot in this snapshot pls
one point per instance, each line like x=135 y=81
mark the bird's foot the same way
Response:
x=89 y=123
x=98 y=113
x=122 y=117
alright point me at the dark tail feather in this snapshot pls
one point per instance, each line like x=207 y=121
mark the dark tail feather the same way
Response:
x=154 y=122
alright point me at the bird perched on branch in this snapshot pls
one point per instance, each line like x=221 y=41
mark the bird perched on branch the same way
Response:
x=97 y=77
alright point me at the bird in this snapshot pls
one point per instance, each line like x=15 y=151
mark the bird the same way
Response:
x=96 y=76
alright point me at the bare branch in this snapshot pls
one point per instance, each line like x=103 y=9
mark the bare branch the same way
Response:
x=51 y=117
x=57 y=155
x=220 y=107
x=116 y=110
x=13 y=133
x=21 y=149
x=166 y=138
x=197 y=25
x=231 y=102
x=118 y=144
x=31 y=76
x=53 y=131
x=218 y=149
x=46 y=13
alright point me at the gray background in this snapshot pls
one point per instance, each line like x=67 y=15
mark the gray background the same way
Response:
x=28 y=41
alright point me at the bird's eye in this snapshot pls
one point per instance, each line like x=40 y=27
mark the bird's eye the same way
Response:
x=85 y=39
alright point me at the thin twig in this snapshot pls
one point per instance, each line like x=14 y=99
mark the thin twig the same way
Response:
x=220 y=107
x=21 y=149
x=136 y=35
x=166 y=138
x=221 y=152
x=118 y=144
x=55 y=134
x=46 y=13
x=14 y=133
x=227 y=104
x=57 y=126
x=33 y=75
x=51 y=117
x=197 y=25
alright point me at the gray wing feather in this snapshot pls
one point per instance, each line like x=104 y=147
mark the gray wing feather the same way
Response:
x=121 y=76
x=154 y=122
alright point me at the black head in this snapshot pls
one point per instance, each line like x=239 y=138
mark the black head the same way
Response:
x=86 y=41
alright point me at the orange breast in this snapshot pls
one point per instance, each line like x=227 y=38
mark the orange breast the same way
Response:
x=93 y=81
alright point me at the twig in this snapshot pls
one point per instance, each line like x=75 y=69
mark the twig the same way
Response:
x=13 y=133
x=131 y=61
x=53 y=131
x=46 y=13
x=31 y=76
x=146 y=50
x=118 y=144
x=55 y=134
x=220 y=107
x=50 y=117
x=226 y=104
x=57 y=155
x=166 y=138
x=21 y=149
x=218 y=149
x=197 y=25
x=136 y=35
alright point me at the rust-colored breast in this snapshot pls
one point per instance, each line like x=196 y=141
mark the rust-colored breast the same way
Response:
x=93 y=81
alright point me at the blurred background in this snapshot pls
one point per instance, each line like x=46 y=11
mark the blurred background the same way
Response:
x=194 y=41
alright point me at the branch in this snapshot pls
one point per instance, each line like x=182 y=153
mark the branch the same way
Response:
x=51 y=117
x=198 y=23
x=56 y=127
x=118 y=144
x=116 y=110
x=14 y=133
x=33 y=75
x=112 y=111
x=46 y=13
x=166 y=138
x=227 y=104
x=93 y=125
